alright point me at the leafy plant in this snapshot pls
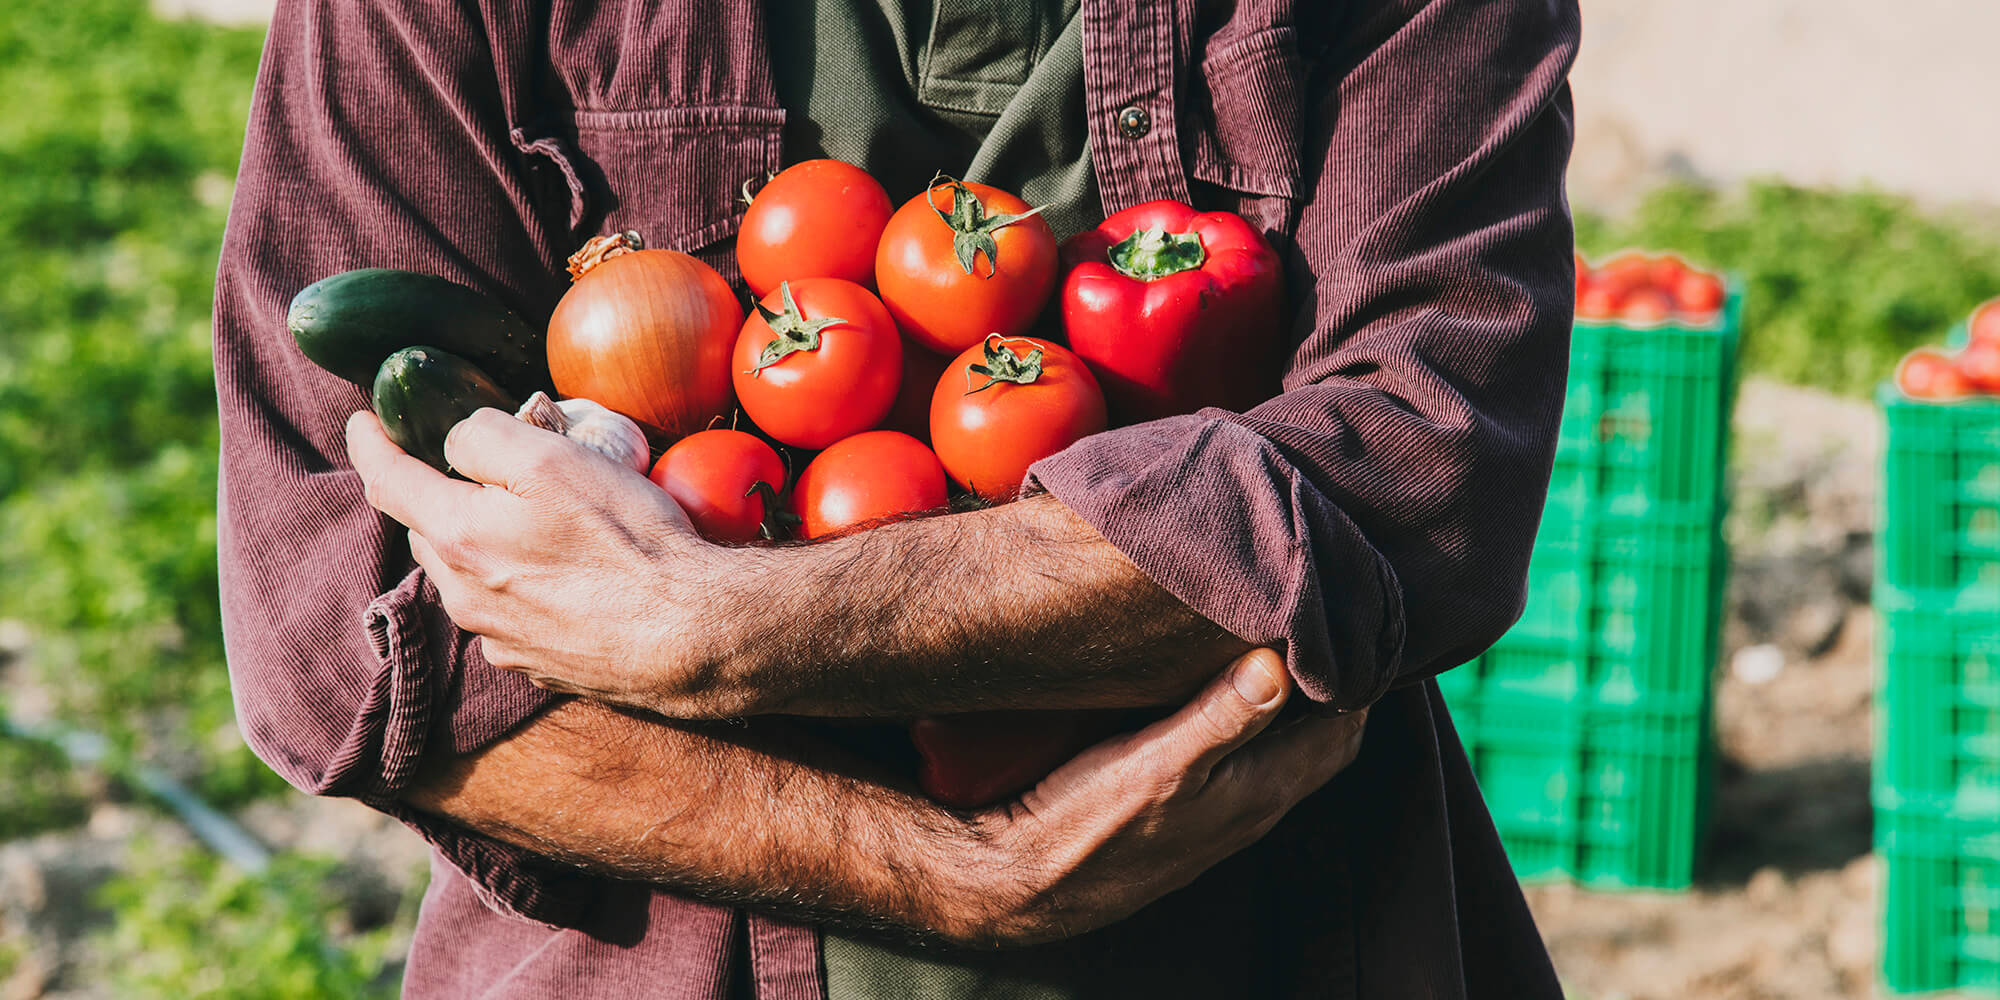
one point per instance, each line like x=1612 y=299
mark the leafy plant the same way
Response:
x=122 y=133
x=1839 y=284
x=183 y=925
x=40 y=790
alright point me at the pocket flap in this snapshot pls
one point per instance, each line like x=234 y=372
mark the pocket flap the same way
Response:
x=673 y=174
x=1250 y=138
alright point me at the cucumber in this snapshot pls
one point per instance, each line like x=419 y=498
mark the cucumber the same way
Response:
x=349 y=322
x=420 y=393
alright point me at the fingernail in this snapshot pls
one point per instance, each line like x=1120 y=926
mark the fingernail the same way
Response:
x=1255 y=683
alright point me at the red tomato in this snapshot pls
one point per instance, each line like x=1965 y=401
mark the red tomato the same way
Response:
x=818 y=361
x=1980 y=364
x=1985 y=325
x=715 y=475
x=1666 y=271
x=1647 y=305
x=1597 y=302
x=1582 y=276
x=1623 y=275
x=1006 y=404
x=817 y=219
x=866 y=478
x=1926 y=373
x=1698 y=293
x=911 y=412
x=980 y=758
x=960 y=261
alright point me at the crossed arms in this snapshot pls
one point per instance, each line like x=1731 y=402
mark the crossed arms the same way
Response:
x=1380 y=509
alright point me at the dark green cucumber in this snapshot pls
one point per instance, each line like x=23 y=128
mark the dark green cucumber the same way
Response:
x=420 y=393
x=349 y=322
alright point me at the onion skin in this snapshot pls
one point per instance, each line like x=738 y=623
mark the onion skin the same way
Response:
x=649 y=335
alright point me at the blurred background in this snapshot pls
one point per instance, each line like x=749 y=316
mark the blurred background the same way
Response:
x=1700 y=820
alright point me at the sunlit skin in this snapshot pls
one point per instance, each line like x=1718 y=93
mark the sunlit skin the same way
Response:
x=589 y=579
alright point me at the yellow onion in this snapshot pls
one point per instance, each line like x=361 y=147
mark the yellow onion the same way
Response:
x=646 y=333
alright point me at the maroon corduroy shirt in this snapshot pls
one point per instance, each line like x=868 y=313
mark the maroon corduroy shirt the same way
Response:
x=1374 y=520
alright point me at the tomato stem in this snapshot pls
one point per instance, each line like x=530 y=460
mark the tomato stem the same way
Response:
x=779 y=523
x=1150 y=254
x=743 y=193
x=1003 y=365
x=971 y=228
x=601 y=249
x=794 y=332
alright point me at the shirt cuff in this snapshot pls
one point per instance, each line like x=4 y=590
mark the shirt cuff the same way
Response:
x=1217 y=516
x=435 y=693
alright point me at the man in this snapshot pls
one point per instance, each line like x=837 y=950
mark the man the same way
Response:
x=1372 y=521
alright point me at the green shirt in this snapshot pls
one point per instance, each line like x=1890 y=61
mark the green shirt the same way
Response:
x=984 y=91
x=989 y=92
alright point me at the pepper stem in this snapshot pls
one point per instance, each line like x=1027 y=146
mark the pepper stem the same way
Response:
x=1003 y=365
x=601 y=249
x=794 y=332
x=1154 y=253
x=971 y=228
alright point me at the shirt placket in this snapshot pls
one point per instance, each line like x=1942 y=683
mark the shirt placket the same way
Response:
x=1130 y=50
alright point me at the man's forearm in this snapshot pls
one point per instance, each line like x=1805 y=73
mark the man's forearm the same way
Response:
x=722 y=812
x=1018 y=606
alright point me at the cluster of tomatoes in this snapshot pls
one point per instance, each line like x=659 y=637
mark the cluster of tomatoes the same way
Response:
x=912 y=349
x=1929 y=373
x=1641 y=288
x=895 y=353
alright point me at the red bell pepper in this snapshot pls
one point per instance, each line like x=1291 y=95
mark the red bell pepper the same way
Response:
x=1175 y=309
x=979 y=758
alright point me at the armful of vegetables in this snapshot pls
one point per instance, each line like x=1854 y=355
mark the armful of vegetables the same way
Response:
x=1166 y=310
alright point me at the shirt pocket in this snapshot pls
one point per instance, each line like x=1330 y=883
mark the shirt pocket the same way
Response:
x=1246 y=146
x=673 y=174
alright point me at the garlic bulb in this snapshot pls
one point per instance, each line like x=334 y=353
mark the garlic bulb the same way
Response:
x=602 y=430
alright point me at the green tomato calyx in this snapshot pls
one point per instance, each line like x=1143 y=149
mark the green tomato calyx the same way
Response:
x=1003 y=365
x=1150 y=254
x=794 y=332
x=779 y=524
x=971 y=228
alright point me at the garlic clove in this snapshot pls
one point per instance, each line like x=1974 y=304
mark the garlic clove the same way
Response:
x=597 y=427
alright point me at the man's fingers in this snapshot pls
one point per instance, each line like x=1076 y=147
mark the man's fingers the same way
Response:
x=500 y=449
x=400 y=486
x=1235 y=706
x=1287 y=764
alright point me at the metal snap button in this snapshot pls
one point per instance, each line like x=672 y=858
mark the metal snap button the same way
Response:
x=1134 y=122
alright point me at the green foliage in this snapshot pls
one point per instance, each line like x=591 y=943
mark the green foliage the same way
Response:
x=122 y=133
x=1839 y=284
x=184 y=925
x=40 y=790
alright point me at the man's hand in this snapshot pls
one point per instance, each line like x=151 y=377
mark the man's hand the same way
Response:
x=560 y=560
x=589 y=580
x=1137 y=817
x=734 y=816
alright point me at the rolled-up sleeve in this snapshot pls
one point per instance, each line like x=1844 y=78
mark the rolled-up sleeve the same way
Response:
x=377 y=138
x=1374 y=520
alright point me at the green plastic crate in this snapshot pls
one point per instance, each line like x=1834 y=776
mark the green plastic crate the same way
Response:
x=1609 y=797
x=1941 y=498
x=1938 y=692
x=1646 y=417
x=1620 y=609
x=1626 y=581
x=1940 y=900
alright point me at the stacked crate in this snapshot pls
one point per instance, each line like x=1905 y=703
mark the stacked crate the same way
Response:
x=1588 y=723
x=1937 y=748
